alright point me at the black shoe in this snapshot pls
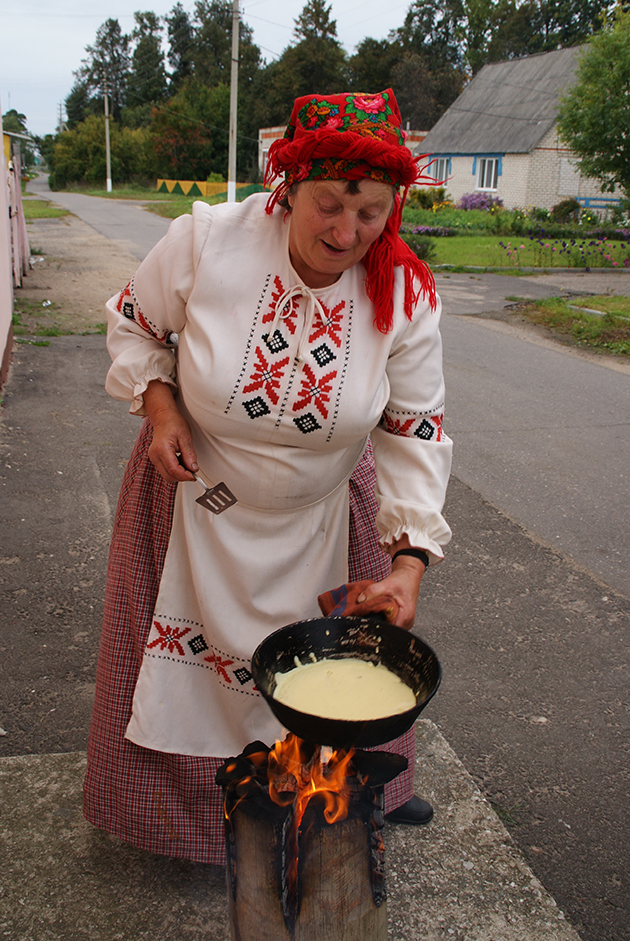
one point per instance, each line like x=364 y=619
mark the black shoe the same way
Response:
x=415 y=812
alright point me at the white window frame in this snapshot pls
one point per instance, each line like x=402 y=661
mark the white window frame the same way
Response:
x=487 y=173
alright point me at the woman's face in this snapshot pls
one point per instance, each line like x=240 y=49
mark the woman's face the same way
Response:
x=332 y=229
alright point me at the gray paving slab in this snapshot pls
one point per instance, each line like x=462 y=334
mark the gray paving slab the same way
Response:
x=460 y=878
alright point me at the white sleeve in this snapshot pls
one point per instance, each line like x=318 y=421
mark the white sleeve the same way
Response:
x=145 y=318
x=412 y=453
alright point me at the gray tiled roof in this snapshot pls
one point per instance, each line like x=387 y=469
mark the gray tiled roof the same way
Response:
x=508 y=107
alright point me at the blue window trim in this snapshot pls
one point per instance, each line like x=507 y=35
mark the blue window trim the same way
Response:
x=436 y=157
x=498 y=157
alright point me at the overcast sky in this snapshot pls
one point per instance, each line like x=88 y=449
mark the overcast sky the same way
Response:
x=43 y=41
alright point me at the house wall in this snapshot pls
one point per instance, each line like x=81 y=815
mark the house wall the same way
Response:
x=461 y=179
x=6 y=275
x=554 y=177
x=543 y=178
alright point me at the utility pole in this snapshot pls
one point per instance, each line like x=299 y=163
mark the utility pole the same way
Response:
x=108 y=159
x=231 y=192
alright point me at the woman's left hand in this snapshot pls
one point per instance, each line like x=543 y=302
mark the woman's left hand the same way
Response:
x=403 y=586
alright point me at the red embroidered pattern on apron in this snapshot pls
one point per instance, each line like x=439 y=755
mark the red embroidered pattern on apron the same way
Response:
x=169 y=638
x=185 y=644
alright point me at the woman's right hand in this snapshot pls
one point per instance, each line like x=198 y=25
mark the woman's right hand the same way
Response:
x=171 y=435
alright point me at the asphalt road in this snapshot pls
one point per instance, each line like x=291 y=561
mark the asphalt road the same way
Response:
x=124 y=221
x=530 y=613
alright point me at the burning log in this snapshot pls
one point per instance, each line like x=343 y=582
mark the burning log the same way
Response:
x=304 y=845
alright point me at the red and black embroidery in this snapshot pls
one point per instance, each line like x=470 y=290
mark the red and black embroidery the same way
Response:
x=315 y=390
x=426 y=427
x=289 y=317
x=267 y=376
x=279 y=378
x=331 y=326
x=220 y=665
x=169 y=638
x=168 y=643
x=128 y=306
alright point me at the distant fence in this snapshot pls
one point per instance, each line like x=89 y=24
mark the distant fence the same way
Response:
x=597 y=202
x=194 y=187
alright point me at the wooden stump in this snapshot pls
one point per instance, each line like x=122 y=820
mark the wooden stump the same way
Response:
x=336 y=898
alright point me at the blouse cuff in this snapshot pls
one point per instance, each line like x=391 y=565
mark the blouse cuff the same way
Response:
x=392 y=523
x=137 y=404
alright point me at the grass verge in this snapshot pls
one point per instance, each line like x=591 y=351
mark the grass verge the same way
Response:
x=41 y=209
x=608 y=332
x=27 y=321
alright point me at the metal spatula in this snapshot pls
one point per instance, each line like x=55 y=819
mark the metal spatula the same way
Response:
x=217 y=497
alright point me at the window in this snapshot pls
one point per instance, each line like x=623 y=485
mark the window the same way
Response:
x=487 y=173
x=440 y=169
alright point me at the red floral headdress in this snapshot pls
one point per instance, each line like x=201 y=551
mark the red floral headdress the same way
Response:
x=352 y=137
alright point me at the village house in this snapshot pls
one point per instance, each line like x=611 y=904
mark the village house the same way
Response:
x=500 y=137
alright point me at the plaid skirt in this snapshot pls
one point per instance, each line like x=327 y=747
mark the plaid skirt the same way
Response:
x=162 y=802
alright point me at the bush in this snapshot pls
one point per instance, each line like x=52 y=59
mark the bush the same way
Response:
x=483 y=201
x=427 y=198
x=422 y=246
x=437 y=231
x=566 y=211
x=78 y=156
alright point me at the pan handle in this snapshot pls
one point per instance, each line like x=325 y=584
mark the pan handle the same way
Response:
x=342 y=602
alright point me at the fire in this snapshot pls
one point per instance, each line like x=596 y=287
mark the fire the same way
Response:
x=297 y=772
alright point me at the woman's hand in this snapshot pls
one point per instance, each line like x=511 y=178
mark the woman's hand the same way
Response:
x=402 y=585
x=171 y=435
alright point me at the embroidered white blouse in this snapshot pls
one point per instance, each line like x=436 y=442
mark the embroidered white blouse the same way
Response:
x=281 y=385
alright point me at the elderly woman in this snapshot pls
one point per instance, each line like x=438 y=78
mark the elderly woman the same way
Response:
x=264 y=341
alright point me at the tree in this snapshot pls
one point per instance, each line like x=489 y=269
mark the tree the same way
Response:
x=594 y=119
x=107 y=63
x=430 y=30
x=79 y=155
x=423 y=93
x=14 y=121
x=190 y=132
x=80 y=103
x=181 y=38
x=147 y=80
x=372 y=64
x=430 y=72
x=212 y=48
x=314 y=63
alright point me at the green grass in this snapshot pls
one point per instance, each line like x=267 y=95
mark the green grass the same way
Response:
x=41 y=209
x=610 y=333
x=490 y=251
x=31 y=310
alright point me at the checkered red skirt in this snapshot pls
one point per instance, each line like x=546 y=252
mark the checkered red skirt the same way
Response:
x=163 y=802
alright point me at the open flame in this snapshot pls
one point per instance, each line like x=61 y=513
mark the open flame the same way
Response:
x=279 y=784
x=297 y=772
